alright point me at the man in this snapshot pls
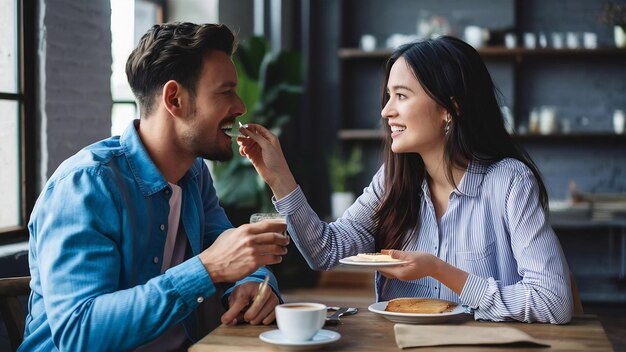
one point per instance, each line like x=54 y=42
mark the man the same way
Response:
x=127 y=237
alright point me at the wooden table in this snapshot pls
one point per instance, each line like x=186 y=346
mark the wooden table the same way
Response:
x=367 y=331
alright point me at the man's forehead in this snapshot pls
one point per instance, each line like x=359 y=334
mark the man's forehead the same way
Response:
x=220 y=69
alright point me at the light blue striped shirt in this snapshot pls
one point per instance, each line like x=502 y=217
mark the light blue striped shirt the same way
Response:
x=494 y=228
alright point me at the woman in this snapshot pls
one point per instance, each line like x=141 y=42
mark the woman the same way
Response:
x=455 y=197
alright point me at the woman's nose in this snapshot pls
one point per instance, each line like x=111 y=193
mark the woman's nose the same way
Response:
x=388 y=111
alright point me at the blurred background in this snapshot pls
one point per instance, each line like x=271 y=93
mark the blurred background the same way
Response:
x=560 y=66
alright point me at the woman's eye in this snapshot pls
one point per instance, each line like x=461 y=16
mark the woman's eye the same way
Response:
x=401 y=96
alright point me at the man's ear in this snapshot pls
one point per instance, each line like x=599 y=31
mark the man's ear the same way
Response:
x=173 y=98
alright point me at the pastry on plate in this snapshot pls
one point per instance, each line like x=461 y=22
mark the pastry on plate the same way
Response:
x=375 y=257
x=419 y=305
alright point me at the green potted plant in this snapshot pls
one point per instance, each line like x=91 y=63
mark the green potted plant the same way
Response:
x=342 y=172
x=270 y=86
x=615 y=14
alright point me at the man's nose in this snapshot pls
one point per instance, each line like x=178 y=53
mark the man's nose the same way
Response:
x=240 y=107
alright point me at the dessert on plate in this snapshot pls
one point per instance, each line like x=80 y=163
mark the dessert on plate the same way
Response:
x=420 y=305
x=383 y=256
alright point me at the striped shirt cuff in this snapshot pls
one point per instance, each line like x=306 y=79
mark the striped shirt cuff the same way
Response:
x=473 y=291
x=192 y=281
x=288 y=204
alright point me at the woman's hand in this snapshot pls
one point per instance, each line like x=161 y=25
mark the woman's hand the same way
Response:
x=422 y=264
x=263 y=149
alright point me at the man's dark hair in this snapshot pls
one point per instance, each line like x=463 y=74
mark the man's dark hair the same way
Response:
x=173 y=51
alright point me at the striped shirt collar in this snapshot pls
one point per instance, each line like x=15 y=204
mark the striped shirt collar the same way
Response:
x=471 y=181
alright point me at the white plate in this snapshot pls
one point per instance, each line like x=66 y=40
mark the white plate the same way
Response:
x=415 y=318
x=323 y=337
x=352 y=261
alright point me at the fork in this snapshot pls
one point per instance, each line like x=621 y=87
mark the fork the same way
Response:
x=262 y=289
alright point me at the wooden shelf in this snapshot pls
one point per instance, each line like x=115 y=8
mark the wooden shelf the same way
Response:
x=572 y=137
x=497 y=52
x=377 y=134
x=363 y=134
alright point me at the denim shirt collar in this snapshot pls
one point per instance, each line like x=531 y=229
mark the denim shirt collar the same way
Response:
x=471 y=181
x=148 y=177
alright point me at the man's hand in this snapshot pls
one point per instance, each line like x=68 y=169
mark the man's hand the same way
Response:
x=238 y=252
x=241 y=307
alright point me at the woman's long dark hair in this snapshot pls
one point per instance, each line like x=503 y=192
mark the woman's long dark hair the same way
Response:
x=455 y=77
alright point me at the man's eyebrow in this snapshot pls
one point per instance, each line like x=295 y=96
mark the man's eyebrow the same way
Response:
x=229 y=84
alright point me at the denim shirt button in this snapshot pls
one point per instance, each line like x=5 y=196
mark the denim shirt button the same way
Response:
x=200 y=299
x=155 y=260
x=162 y=227
x=167 y=191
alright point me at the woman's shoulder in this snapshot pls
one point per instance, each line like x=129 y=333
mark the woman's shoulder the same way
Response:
x=508 y=168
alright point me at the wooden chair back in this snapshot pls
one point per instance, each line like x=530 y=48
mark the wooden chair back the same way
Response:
x=578 y=305
x=11 y=309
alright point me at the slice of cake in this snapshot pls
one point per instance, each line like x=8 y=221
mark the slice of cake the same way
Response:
x=419 y=305
x=375 y=257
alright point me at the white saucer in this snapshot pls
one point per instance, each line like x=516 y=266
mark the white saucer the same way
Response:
x=322 y=337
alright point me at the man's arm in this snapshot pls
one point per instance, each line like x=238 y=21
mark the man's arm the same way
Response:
x=78 y=238
x=216 y=224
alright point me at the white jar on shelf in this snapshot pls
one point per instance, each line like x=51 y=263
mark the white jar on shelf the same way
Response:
x=547 y=120
x=618 y=121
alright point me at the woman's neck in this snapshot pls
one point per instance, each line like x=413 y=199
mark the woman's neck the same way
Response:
x=438 y=173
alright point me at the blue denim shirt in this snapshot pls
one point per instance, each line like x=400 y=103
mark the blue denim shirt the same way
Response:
x=97 y=235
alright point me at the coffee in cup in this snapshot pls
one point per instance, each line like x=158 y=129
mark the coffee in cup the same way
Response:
x=300 y=321
x=274 y=217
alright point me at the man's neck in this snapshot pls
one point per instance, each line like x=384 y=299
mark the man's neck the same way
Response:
x=159 y=137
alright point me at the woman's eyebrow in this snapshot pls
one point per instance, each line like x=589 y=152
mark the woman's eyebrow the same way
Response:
x=398 y=87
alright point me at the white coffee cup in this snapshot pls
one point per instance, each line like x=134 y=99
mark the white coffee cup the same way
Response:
x=300 y=321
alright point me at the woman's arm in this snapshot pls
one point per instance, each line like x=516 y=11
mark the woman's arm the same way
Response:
x=544 y=292
x=322 y=244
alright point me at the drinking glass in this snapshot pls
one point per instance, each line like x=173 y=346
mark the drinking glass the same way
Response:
x=257 y=217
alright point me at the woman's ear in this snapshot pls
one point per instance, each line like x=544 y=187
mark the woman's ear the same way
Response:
x=456 y=106
x=173 y=98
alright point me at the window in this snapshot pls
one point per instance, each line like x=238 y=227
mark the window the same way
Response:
x=17 y=147
x=140 y=15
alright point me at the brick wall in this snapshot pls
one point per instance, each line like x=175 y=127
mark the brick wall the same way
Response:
x=74 y=91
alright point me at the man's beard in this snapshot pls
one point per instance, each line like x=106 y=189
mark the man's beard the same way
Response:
x=217 y=155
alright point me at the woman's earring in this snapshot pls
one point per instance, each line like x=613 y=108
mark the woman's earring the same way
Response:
x=446 y=129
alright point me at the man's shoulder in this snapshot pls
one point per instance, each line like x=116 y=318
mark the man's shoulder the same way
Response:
x=95 y=158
